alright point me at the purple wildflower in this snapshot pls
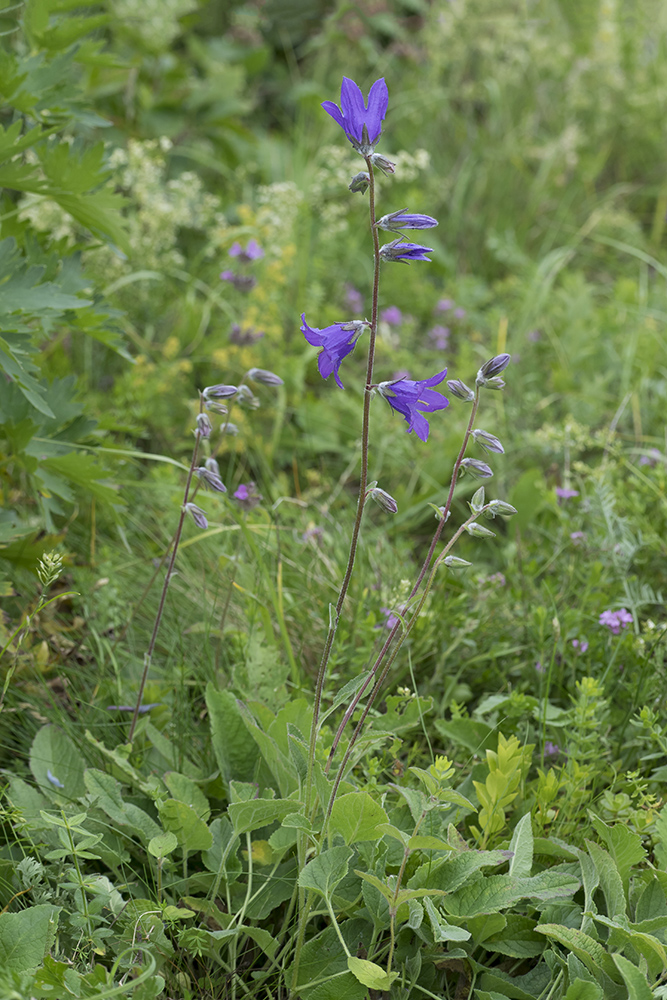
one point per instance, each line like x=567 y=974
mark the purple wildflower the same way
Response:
x=227 y=275
x=444 y=305
x=211 y=478
x=580 y=644
x=551 y=749
x=361 y=123
x=338 y=340
x=252 y=252
x=198 y=515
x=439 y=337
x=539 y=669
x=354 y=299
x=405 y=220
x=577 y=537
x=408 y=398
x=564 y=494
x=312 y=533
x=651 y=459
x=616 y=620
x=459 y=313
x=392 y=315
x=247 y=496
x=399 y=250
x=244 y=335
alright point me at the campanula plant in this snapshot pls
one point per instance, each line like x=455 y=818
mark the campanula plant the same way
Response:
x=361 y=121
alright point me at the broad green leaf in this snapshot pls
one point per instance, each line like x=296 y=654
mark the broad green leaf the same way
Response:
x=471 y=734
x=185 y=790
x=26 y=936
x=517 y=939
x=183 y=821
x=162 y=845
x=401 y=715
x=369 y=974
x=638 y=988
x=323 y=959
x=610 y=879
x=324 y=872
x=341 y=986
x=589 y=951
x=624 y=846
x=106 y=793
x=522 y=846
x=270 y=890
x=253 y=815
x=234 y=748
x=442 y=930
x=647 y=945
x=57 y=765
x=449 y=874
x=356 y=817
x=279 y=764
x=260 y=936
x=498 y=892
x=581 y=990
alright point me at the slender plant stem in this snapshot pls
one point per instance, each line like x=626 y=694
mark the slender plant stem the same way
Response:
x=427 y=561
x=158 y=618
x=363 y=481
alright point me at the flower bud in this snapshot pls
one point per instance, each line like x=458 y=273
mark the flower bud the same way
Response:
x=220 y=391
x=385 y=500
x=476 y=502
x=439 y=512
x=500 y=507
x=382 y=163
x=486 y=376
x=204 y=426
x=264 y=377
x=479 y=531
x=197 y=514
x=460 y=389
x=229 y=428
x=405 y=220
x=360 y=183
x=215 y=407
x=245 y=397
x=211 y=479
x=488 y=442
x=212 y=466
x=477 y=469
x=455 y=561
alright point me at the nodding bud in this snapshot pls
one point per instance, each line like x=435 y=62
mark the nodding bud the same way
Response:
x=204 y=426
x=384 y=499
x=229 y=428
x=500 y=507
x=479 y=531
x=197 y=514
x=460 y=389
x=264 y=377
x=487 y=375
x=220 y=391
x=382 y=163
x=211 y=479
x=245 y=397
x=455 y=561
x=360 y=183
x=477 y=469
x=215 y=407
x=440 y=512
x=212 y=466
x=489 y=442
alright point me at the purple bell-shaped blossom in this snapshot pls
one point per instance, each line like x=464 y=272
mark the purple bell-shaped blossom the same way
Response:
x=361 y=122
x=408 y=398
x=338 y=340
x=399 y=250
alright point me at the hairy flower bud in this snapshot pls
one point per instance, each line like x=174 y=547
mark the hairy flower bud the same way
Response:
x=487 y=375
x=264 y=377
x=383 y=164
x=455 y=561
x=500 y=507
x=476 y=501
x=489 y=442
x=245 y=397
x=229 y=428
x=384 y=499
x=220 y=391
x=405 y=220
x=477 y=469
x=211 y=479
x=215 y=407
x=204 y=426
x=479 y=531
x=197 y=514
x=360 y=183
x=460 y=389
x=212 y=466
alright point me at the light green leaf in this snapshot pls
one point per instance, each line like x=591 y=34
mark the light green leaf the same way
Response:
x=517 y=939
x=56 y=764
x=638 y=988
x=26 y=936
x=582 y=990
x=610 y=879
x=369 y=974
x=498 y=892
x=442 y=930
x=234 y=748
x=222 y=856
x=356 y=817
x=185 y=790
x=252 y=815
x=324 y=872
x=162 y=845
x=106 y=791
x=183 y=821
x=522 y=846
x=449 y=874
x=587 y=950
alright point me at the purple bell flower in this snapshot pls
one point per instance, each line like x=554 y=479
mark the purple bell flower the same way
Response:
x=338 y=340
x=408 y=398
x=361 y=123
x=399 y=250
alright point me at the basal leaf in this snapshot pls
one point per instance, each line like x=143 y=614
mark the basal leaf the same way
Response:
x=369 y=974
x=253 y=815
x=26 y=936
x=324 y=872
x=356 y=817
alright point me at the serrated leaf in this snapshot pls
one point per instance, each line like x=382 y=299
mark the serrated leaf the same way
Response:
x=638 y=988
x=357 y=817
x=442 y=930
x=234 y=748
x=26 y=936
x=253 y=815
x=521 y=845
x=498 y=892
x=107 y=794
x=56 y=764
x=589 y=951
x=324 y=872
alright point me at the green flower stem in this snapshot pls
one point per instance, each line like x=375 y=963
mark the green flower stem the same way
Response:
x=363 y=481
x=436 y=537
x=158 y=618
